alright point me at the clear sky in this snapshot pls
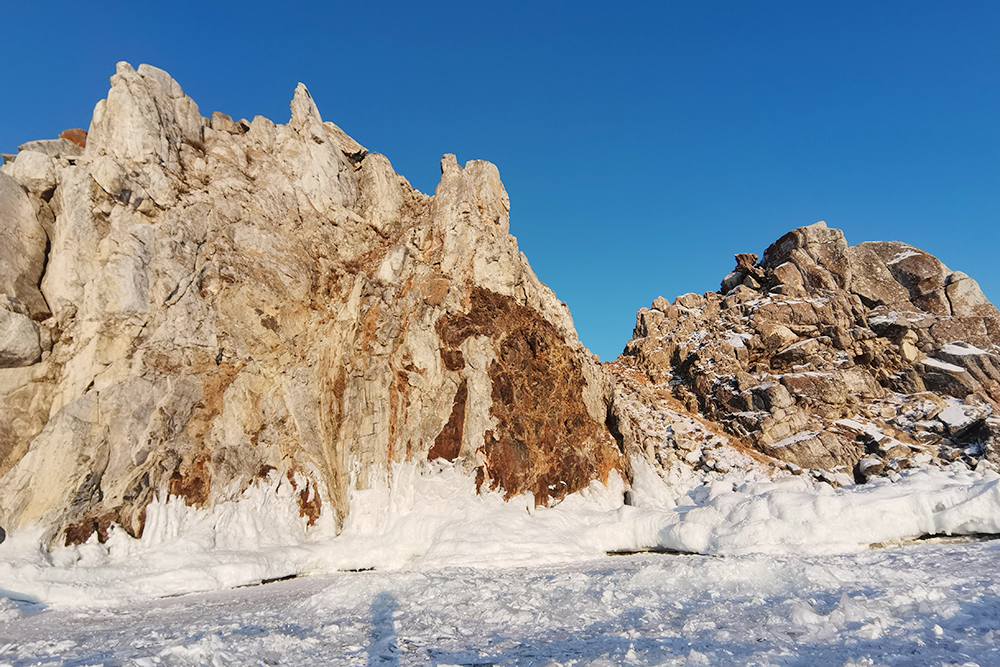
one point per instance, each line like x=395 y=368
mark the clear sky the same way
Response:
x=642 y=144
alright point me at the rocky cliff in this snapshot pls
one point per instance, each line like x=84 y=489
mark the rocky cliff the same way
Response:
x=193 y=303
x=853 y=361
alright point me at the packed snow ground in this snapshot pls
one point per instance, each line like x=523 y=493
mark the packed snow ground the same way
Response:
x=928 y=604
x=785 y=576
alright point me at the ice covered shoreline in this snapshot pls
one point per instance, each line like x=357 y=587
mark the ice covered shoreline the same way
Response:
x=430 y=517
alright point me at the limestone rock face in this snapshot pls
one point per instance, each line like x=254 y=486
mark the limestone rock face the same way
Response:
x=823 y=354
x=223 y=300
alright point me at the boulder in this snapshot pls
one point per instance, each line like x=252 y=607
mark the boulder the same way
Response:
x=868 y=468
x=872 y=280
x=966 y=298
x=55 y=148
x=820 y=253
x=822 y=388
x=22 y=253
x=35 y=171
x=815 y=449
x=19 y=342
x=919 y=272
x=775 y=336
x=991 y=440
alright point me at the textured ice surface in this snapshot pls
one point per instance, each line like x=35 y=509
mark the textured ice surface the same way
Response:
x=926 y=604
x=785 y=578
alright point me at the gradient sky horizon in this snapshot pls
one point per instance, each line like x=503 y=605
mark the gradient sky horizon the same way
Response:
x=641 y=147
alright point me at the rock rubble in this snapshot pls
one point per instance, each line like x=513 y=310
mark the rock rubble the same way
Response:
x=853 y=359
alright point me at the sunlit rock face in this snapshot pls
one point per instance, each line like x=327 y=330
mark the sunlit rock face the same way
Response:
x=193 y=303
x=189 y=305
x=860 y=359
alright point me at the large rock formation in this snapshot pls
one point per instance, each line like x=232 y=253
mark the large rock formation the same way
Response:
x=858 y=359
x=189 y=305
x=193 y=303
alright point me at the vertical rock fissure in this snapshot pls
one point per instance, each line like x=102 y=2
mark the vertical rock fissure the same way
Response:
x=448 y=443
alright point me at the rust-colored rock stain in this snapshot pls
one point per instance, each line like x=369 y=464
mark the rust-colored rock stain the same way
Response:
x=545 y=440
x=80 y=531
x=310 y=503
x=77 y=135
x=192 y=482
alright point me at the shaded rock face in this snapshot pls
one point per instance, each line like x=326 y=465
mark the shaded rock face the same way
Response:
x=219 y=300
x=823 y=354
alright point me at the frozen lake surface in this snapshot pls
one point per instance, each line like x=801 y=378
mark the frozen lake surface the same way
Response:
x=922 y=604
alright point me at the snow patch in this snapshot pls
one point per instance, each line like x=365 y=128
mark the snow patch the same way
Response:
x=903 y=255
x=942 y=365
x=737 y=340
x=862 y=428
x=880 y=320
x=961 y=350
x=954 y=417
x=792 y=439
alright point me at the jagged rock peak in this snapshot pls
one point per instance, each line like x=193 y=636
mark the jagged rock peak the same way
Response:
x=222 y=301
x=882 y=273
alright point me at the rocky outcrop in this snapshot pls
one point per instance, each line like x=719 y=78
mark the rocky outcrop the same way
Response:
x=214 y=301
x=858 y=359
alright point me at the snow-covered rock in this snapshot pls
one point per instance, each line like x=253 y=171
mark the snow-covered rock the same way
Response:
x=820 y=331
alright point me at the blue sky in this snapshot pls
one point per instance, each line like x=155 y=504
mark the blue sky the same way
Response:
x=642 y=144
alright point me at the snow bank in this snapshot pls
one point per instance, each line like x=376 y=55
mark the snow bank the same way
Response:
x=428 y=516
x=798 y=515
